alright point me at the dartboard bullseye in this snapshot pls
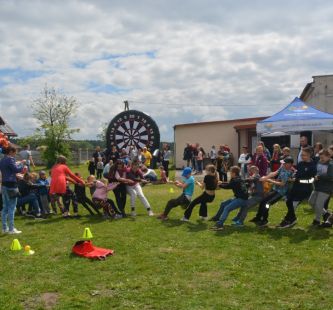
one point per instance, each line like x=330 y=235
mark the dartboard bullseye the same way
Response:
x=133 y=128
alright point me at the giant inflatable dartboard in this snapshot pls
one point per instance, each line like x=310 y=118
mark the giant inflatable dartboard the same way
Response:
x=133 y=128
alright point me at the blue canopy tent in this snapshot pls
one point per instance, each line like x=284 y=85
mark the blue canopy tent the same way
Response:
x=296 y=117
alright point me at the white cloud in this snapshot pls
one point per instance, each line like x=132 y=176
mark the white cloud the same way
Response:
x=170 y=59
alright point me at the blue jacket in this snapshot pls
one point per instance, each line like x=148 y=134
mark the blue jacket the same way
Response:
x=43 y=186
x=9 y=169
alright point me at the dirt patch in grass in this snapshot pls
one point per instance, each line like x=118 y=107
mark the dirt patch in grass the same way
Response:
x=46 y=300
x=329 y=274
x=49 y=300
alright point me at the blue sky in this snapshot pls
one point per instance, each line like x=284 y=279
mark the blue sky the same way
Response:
x=179 y=62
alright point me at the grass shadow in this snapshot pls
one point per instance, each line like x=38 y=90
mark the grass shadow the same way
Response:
x=318 y=233
x=92 y=260
x=200 y=226
x=296 y=235
x=45 y=221
x=172 y=223
x=95 y=219
x=229 y=230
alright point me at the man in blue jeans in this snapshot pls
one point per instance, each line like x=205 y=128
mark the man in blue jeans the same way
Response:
x=238 y=186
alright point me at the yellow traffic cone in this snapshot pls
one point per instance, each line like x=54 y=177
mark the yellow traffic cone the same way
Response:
x=171 y=190
x=16 y=246
x=87 y=234
x=28 y=251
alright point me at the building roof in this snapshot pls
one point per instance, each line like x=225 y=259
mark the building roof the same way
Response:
x=309 y=86
x=322 y=75
x=251 y=119
x=6 y=129
x=306 y=91
x=245 y=126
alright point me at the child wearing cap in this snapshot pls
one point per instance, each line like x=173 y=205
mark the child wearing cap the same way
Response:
x=301 y=188
x=279 y=179
x=187 y=184
x=209 y=185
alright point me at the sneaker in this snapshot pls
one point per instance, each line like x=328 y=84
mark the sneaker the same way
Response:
x=263 y=223
x=213 y=219
x=238 y=223
x=287 y=224
x=326 y=216
x=217 y=228
x=150 y=213
x=203 y=218
x=184 y=219
x=326 y=225
x=133 y=213
x=118 y=216
x=14 y=232
x=315 y=223
x=235 y=219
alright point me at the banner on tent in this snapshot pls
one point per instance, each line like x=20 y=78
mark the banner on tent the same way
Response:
x=295 y=126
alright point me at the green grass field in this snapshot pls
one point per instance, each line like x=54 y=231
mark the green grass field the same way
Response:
x=169 y=265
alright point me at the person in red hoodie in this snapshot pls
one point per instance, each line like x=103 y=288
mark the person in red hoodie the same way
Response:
x=60 y=173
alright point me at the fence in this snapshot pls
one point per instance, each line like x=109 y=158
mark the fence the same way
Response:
x=77 y=156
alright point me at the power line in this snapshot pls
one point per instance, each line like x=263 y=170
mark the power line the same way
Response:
x=192 y=105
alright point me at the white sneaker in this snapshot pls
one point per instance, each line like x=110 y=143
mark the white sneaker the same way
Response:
x=14 y=232
x=184 y=219
x=204 y=218
x=150 y=213
x=133 y=213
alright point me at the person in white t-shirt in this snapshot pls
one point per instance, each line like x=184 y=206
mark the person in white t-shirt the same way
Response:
x=244 y=160
x=213 y=155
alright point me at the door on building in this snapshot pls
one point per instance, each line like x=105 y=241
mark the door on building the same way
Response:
x=252 y=141
x=283 y=141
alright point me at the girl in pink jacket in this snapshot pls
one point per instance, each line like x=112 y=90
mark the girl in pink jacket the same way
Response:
x=101 y=200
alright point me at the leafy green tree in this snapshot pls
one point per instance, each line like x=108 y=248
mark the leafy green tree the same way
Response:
x=53 y=111
x=102 y=135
